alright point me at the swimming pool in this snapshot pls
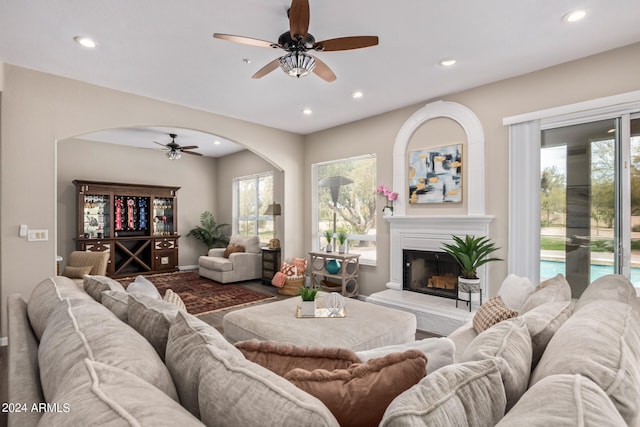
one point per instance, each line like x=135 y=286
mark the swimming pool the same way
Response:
x=551 y=268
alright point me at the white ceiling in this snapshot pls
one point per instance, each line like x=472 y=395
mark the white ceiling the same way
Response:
x=165 y=50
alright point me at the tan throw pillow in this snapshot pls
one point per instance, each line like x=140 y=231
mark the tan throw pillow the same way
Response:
x=490 y=313
x=358 y=396
x=174 y=298
x=282 y=357
x=76 y=272
x=95 y=285
x=117 y=302
x=232 y=249
x=554 y=289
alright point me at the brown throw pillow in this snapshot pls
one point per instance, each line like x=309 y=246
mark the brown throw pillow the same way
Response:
x=490 y=313
x=232 y=248
x=282 y=357
x=358 y=396
x=76 y=272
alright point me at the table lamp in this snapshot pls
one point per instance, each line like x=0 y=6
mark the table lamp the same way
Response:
x=274 y=209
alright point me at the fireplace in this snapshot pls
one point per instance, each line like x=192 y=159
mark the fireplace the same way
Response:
x=430 y=272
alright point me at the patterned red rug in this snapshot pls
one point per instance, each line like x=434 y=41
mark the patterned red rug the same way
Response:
x=201 y=295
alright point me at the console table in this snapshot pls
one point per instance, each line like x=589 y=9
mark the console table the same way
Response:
x=347 y=274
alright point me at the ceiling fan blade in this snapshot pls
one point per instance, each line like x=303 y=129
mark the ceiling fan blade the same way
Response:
x=245 y=40
x=267 y=69
x=346 y=43
x=189 y=147
x=192 y=152
x=323 y=71
x=299 y=18
x=164 y=145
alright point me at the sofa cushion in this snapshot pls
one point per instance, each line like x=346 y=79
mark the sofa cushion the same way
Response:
x=213 y=376
x=564 y=401
x=143 y=286
x=76 y=272
x=543 y=321
x=152 y=319
x=358 y=395
x=95 y=285
x=463 y=394
x=251 y=244
x=514 y=291
x=462 y=337
x=510 y=342
x=46 y=296
x=554 y=289
x=602 y=342
x=232 y=249
x=86 y=329
x=215 y=263
x=173 y=298
x=490 y=313
x=282 y=357
x=98 y=394
x=439 y=351
x=117 y=303
x=612 y=287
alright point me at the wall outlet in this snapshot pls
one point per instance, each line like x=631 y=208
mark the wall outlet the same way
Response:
x=38 y=235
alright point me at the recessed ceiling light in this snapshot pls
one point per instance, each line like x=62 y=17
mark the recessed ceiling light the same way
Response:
x=85 y=42
x=574 y=16
x=307 y=111
x=357 y=94
x=448 y=62
x=246 y=60
x=216 y=142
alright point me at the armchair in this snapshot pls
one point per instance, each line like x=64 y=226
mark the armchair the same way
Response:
x=238 y=266
x=85 y=262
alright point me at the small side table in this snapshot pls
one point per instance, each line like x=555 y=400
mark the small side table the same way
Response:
x=270 y=264
x=348 y=273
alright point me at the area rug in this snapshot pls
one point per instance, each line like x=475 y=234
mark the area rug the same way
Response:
x=201 y=295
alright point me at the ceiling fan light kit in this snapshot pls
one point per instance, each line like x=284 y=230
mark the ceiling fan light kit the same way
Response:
x=175 y=150
x=297 y=41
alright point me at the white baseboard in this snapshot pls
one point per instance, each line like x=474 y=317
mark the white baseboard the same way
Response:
x=3 y=342
x=188 y=267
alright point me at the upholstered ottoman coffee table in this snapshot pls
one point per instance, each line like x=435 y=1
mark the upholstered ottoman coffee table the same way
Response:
x=364 y=327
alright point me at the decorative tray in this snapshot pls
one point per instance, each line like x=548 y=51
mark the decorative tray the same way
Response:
x=323 y=313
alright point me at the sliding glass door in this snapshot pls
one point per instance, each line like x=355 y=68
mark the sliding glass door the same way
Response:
x=587 y=200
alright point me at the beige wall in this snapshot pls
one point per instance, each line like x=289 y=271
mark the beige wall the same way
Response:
x=39 y=109
x=93 y=161
x=601 y=75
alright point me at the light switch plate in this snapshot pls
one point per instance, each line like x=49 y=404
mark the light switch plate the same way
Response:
x=38 y=235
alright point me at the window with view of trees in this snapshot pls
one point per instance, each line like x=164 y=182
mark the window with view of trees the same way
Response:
x=354 y=207
x=252 y=195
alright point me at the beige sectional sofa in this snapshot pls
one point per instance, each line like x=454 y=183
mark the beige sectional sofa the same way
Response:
x=145 y=362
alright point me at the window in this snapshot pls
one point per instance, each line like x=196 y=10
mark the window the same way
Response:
x=252 y=194
x=345 y=200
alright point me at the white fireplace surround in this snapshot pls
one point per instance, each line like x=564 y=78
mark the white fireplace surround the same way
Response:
x=428 y=232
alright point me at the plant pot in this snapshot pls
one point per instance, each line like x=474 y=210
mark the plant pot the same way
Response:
x=308 y=308
x=387 y=211
x=469 y=289
x=341 y=249
x=329 y=248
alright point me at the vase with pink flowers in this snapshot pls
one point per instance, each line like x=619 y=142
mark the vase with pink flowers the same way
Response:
x=390 y=196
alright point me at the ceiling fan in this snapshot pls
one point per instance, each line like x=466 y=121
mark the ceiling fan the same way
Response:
x=297 y=41
x=174 y=150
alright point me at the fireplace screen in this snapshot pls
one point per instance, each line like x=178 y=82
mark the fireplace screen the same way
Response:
x=434 y=273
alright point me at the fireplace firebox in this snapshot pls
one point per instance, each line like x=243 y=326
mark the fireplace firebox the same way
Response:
x=429 y=272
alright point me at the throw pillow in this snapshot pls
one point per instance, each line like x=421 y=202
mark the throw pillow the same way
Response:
x=288 y=269
x=490 y=313
x=300 y=264
x=357 y=396
x=514 y=291
x=554 y=289
x=232 y=249
x=151 y=319
x=439 y=351
x=462 y=394
x=141 y=285
x=279 y=279
x=76 y=272
x=282 y=357
x=95 y=285
x=543 y=321
x=117 y=302
x=174 y=298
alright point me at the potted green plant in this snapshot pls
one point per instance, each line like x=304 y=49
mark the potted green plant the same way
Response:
x=328 y=235
x=308 y=305
x=470 y=253
x=210 y=233
x=341 y=236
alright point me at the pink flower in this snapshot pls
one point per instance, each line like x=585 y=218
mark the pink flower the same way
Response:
x=393 y=196
x=382 y=189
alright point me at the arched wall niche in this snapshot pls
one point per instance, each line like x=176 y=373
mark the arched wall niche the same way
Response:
x=473 y=178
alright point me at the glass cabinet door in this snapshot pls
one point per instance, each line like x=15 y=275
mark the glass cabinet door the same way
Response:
x=163 y=216
x=96 y=216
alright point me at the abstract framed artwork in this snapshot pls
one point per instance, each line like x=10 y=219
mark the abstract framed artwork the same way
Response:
x=435 y=175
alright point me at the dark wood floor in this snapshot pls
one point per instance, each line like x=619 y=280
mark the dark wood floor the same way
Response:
x=214 y=319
